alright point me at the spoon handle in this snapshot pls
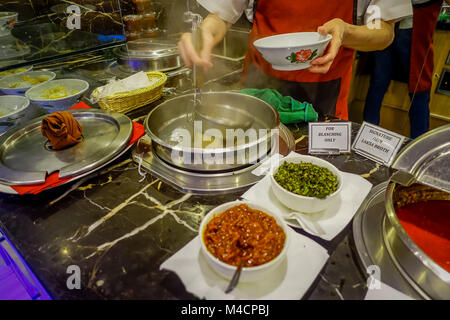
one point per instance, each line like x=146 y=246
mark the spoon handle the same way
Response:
x=234 y=281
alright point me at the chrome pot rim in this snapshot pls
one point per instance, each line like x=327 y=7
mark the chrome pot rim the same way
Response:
x=163 y=143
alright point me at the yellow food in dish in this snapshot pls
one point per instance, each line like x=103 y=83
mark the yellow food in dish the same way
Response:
x=57 y=92
x=28 y=81
x=14 y=71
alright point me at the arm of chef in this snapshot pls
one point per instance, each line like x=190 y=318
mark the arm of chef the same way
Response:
x=215 y=26
x=376 y=34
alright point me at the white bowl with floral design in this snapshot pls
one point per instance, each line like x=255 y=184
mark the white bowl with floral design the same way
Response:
x=292 y=51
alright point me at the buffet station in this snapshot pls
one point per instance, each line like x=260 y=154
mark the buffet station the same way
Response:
x=96 y=172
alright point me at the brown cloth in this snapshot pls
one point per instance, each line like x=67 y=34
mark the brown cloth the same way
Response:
x=61 y=129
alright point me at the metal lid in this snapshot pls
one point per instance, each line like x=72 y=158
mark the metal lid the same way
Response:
x=149 y=48
x=27 y=158
x=426 y=160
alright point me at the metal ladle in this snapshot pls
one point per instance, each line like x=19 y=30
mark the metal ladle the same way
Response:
x=223 y=123
x=234 y=281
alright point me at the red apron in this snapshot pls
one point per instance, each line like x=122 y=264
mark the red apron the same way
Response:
x=285 y=16
x=422 y=51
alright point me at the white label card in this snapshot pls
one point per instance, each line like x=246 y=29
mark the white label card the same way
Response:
x=377 y=144
x=329 y=137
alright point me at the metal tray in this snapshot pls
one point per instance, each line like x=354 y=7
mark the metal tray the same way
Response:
x=9 y=190
x=27 y=158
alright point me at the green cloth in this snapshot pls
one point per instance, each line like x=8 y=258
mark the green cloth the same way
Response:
x=290 y=110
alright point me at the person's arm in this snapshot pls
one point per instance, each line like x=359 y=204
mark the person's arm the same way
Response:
x=361 y=38
x=213 y=31
x=223 y=14
x=377 y=34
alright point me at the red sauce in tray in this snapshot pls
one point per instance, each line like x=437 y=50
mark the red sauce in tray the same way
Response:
x=428 y=225
x=242 y=233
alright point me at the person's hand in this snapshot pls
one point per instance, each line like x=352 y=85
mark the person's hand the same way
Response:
x=336 y=28
x=190 y=56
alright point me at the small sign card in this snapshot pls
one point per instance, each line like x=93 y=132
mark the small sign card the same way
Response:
x=329 y=137
x=377 y=144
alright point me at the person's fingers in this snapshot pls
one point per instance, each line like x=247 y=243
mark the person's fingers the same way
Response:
x=208 y=44
x=189 y=51
x=324 y=68
x=183 y=54
x=330 y=53
x=323 y=30
x=205 y=55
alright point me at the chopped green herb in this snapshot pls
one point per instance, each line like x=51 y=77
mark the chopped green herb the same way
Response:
x=306 y=179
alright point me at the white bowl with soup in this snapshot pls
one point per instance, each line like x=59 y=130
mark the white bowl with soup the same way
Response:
x=57 y=95
x=18 y=84
x=12 y=110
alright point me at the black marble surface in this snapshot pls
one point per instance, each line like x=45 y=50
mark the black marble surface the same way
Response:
x=119 y=230
x=40 y=33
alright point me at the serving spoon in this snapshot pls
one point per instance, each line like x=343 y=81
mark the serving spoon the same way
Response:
x=235 y=280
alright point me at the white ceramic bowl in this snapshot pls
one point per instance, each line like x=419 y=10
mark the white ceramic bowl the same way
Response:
x=248 y=274
x=35 y=94
x=292 y=51
x=7 y=20
x=15 y=71
x=12 y=110
x=300 y=203
x=6 y=82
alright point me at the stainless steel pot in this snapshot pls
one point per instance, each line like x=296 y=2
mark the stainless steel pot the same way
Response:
x=149 y=55
x=422 y=273
x=172 y=115
x=422 y=174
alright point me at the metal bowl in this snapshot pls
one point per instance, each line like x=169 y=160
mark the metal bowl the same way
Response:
x=172 y=115
x=415 y=265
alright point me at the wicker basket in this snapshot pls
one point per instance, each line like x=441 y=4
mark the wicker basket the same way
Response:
x=127 y=101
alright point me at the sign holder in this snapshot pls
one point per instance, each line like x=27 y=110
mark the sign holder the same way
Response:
x=377 y=144
x=329 y=138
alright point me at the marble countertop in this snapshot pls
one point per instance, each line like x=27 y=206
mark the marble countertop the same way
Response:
x=119 y=230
